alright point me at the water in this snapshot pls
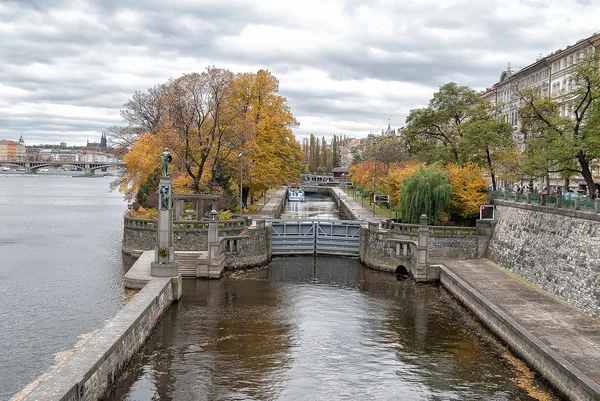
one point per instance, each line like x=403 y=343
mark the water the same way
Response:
x=321 y=329
x=315 y=207
x=61 y=269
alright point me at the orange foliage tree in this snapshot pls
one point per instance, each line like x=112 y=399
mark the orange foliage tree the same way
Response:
x=469 y=190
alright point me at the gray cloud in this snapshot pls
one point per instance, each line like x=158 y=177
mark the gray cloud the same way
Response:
x=345 y=66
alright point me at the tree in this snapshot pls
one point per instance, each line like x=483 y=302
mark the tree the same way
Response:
x=427 y=192
x=486 y=140
x=387 y=150
x=469 y=191
x=567 y=125
x=435 y=133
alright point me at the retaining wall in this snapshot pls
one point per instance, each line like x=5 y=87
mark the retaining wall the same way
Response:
x=92 y=369
x=557 y=249
x=251 y=249
x=563 y=375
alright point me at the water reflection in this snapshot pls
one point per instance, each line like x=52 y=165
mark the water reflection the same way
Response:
x=324 y=328
x=315 y=207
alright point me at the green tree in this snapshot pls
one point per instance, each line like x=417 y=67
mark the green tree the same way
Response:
x=435 y=133
x=427 y=192
x=564 y=129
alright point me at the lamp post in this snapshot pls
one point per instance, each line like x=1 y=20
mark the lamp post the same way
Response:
x=241 y=156
x=373 y=194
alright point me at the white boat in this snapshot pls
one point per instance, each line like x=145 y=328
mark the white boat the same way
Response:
x=295 y=194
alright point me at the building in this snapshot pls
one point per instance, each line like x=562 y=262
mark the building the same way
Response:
x=552 y=75
x=102 y=145
x=11 y=150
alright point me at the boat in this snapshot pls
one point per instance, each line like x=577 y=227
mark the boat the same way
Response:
x=295 y=193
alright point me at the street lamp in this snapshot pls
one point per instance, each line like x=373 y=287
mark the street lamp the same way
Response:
x=241 y=156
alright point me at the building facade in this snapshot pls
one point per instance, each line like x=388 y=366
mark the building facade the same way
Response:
x=553 y=76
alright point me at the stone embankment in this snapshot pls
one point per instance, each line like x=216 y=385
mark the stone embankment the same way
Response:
x=557 y=249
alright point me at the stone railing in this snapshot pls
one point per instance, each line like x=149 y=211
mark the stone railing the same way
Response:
x=184 y=225
x=433 y=230
x=564 y=201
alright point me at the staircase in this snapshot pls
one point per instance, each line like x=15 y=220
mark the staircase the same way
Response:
x=188 y=262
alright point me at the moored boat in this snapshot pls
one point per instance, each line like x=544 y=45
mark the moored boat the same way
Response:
x=295 y=193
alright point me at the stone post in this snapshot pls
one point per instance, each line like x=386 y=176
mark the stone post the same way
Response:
x=528 y=195
x=597 y=205
x=164 y=264
x=558 y=200
x=420 y=273
x=576 y=203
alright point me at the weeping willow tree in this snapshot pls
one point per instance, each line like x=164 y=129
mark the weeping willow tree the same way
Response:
x=428 y=192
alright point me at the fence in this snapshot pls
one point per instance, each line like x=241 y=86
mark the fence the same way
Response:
x=567 y=201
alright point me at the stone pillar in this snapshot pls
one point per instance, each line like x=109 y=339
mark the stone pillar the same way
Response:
x=420 y=273
x=164 y=264
x=558 y=200
x=597 y=205
x=178 y=209
x=28 y=168
x=212 y=264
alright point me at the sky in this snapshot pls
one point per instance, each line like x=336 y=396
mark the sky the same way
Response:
x=346 y=67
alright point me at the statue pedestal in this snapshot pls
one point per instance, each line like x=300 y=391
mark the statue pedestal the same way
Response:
x=164 y=264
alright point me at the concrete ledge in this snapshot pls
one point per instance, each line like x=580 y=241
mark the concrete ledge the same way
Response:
x=92 y=369
x=562 y=374
x=139 y=274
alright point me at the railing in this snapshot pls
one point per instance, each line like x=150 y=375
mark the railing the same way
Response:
x=566 y=201
x=433 y=230
x=235 y=244
x=187 y=225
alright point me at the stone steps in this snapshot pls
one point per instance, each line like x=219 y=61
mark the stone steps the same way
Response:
x=188 y=262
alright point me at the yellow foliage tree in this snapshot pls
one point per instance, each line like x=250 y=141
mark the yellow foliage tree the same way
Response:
x=395 y=179
x=469 y=190
x=141 y=161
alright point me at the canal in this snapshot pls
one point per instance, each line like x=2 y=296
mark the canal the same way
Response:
x=322 y=328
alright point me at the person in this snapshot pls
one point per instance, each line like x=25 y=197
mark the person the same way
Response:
x=596 y=194
x=544 y=191
x=166 y=159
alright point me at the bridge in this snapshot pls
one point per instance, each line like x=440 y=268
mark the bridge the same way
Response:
x=31 y=167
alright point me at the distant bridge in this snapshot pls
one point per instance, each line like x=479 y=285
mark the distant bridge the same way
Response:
x=31 y=167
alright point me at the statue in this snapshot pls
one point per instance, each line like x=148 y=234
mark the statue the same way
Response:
x=166 y=159
x=165 y=203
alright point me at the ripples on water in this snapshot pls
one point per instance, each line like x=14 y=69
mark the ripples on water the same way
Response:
x=318 y=329
x=61 y=269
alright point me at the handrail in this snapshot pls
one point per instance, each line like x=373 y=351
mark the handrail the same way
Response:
x=564 y=201
x=132 y=222
x=433 y=230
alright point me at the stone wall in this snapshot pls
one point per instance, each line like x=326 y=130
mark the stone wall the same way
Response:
x=558 y=252
x=250 y=250
x=92 y=369
x=143 y=238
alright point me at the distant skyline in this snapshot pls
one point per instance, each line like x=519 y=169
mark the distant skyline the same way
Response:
x=346 y=67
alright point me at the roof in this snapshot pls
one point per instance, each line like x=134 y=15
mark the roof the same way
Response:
x=340 y=170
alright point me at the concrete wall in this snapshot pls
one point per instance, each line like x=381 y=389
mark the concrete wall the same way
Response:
x=92 y=369
x=554 y=368
x=558 y=251
x=346 y=212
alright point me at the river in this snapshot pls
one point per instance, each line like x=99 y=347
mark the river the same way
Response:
x=323 y=328
x=61 y=269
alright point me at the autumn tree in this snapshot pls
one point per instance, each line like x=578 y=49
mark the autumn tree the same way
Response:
x=469 y=191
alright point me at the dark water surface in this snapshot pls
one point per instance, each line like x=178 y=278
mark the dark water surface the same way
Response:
x=320 y=329
x=61 y=269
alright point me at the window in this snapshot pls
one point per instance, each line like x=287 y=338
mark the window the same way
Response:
x=571 y=60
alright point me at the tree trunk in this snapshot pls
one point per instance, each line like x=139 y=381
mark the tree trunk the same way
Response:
x=489 y=160
x=586 y=172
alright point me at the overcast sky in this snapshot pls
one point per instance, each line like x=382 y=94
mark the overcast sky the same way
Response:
x=346 y=67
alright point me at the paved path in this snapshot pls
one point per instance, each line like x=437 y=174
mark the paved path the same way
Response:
x=269 y=209
x=360 y=210
x=566 y=330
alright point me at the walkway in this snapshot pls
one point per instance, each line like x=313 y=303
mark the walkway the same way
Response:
x=360 y=212
x=269 y=210
x=567 y=331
